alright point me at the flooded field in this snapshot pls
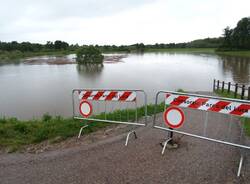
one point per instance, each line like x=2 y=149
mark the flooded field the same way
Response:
x=44 y=84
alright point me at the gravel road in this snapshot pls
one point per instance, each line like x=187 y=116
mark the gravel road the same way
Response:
x=108 y=161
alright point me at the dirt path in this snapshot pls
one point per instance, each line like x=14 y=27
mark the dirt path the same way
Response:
x=109 y=161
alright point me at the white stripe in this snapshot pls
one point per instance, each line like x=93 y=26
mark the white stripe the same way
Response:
x=246 y=114
x=208 y=104
x=104 y=96
x=92 y=95
x=131 y=97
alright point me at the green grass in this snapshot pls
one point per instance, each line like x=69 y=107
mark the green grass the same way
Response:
x=226 y=94
x=245 y=121
x=234 y=53
x=14 y=133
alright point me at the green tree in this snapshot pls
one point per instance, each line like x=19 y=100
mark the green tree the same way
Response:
x=60 y=45
x=239 y=37
x=241 y=34
x=89 y=55
x=140 y=47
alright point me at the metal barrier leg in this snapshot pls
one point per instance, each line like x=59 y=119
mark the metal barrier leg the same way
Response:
x=165 y=144
x=133 y=131
x=80 y=132
x=240 y=165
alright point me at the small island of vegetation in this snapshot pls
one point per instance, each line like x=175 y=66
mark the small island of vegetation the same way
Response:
x=87 y=55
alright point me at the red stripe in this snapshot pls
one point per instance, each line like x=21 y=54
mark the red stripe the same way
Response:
x=179 y=100
x=98 y=95
x=219 y=106
x=197 y=103
x=125 y=95
x=243 y=108
x=111 y=95
x=86 y=95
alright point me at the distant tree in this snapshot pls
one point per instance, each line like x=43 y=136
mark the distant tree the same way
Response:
x=89 y=55
x=140 y=47
x=59 y=45
x=227 y=42
x=49 y=45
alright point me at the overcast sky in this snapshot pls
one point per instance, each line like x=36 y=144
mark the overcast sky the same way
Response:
x=117 y=22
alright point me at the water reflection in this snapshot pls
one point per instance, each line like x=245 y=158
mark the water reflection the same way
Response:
x=90 y=70
x=239 y=67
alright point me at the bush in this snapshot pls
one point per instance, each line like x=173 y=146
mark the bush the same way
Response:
x=46 y=117
x=89 y=55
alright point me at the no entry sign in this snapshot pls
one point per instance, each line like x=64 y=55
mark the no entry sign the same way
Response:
x=173 y=117
x=85 y=108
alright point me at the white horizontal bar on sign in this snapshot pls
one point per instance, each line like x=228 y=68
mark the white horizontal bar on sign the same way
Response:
x=125 y=96
x=209 y=104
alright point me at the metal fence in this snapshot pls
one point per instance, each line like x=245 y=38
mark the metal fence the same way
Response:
x=122 y=106
x=206 y=110
x=241 y=91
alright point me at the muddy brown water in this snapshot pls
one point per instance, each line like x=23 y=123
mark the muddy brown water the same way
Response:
x=30 y=90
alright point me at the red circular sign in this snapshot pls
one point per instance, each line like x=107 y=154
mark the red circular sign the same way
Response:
x=85 y=108
x=173 y=117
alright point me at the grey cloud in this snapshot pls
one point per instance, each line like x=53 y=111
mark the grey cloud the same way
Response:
x=14 y=12
x=57 y=9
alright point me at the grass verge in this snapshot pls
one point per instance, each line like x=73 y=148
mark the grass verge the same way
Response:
x=245 y=121
x=14 y=133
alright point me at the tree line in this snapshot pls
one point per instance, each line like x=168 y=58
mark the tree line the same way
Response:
x=36 y=47
x=138 y=47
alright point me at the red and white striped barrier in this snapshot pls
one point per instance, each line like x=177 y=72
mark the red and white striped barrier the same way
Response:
x=208 y=104
x=125 y=96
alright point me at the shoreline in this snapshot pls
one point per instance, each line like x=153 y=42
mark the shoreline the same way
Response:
x=12 y=58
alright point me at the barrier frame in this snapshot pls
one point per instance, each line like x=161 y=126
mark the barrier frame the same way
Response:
x=199 y=136
x=111 y=121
